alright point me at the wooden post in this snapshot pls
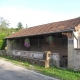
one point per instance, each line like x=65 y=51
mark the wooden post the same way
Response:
x=38 y=43
x=20 y=43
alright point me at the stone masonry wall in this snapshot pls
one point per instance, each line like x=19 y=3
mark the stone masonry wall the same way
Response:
x=70 y=53
x=73 y=54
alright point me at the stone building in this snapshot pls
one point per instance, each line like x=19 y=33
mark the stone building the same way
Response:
x=65 y=45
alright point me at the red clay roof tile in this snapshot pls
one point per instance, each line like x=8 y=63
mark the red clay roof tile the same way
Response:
x=47 y=28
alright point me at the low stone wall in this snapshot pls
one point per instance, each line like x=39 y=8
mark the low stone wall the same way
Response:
x=39 y=58
x=56 y=59
x=33 y=57
x=2 y=52
x=77 y=60
x=27 y=54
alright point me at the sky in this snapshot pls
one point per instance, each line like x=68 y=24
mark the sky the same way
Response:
x=38 y=12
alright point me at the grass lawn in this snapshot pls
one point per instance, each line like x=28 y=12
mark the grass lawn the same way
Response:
x=63 y=74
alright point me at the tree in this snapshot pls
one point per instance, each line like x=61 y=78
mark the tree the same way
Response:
x=2 y=35
x=26 y=26
x=20 y=26
x=4 y=23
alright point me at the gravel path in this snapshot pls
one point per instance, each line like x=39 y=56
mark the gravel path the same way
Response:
x=9 y=71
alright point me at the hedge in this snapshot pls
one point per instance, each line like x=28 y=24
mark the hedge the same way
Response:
x=1 y=43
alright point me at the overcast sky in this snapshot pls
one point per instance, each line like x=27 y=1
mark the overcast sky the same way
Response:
x=37 y=12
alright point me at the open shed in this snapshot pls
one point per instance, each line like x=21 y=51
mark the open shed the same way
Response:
x=61 y=38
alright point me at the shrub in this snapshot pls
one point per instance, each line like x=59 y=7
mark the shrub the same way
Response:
x=2 y=36
x=1 y=43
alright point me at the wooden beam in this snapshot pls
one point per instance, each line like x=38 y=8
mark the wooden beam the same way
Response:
x=20 y=43
x=38 y=43
x=77 y=27
x=68 y=34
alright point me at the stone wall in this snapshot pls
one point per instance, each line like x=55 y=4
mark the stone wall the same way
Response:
x=70 y=52
x=73 y=53
x=56 y=59
x=9 y=46
x=77 y=60
x=77 y=53
x=41 y=58
x=28 y=54
x=2 y=52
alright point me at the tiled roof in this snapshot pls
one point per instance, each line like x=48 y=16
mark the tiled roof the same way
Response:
x=47 y=28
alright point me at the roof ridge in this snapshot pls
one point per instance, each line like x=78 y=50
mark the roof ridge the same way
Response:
x=47 y=28
x=55 y=22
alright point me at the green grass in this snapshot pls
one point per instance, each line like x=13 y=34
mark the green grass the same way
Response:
x=63 y=74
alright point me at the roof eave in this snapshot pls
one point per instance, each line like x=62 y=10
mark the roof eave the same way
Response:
x=68 y=30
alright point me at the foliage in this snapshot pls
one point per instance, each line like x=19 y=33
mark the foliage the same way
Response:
x=2 y=36
x=27 y=42
x=20 y=26
x=1 y=43
x=50 y=40
x=3 y=23
x=13 y=41
x=5 y=31
x=26 y=26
